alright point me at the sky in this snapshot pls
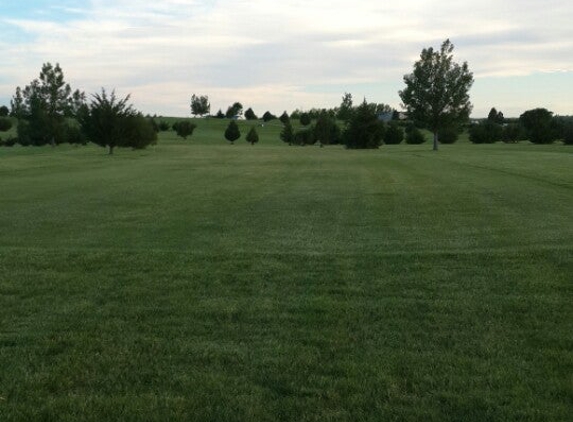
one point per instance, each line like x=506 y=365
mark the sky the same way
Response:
x=288 y=54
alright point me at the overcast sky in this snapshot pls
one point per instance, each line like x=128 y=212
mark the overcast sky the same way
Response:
x=282 y=55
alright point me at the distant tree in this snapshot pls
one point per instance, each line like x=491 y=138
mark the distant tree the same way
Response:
x=495 y=116
x=295 y=115
x=235 y=110
x=200 y=105
x=163 y=126
x=437 y=91
x=393 y=134
x=364 y=130
x=5 y=124
x=539 y=126
x=284 y=118
x=111 y=122
x=326 y=131
x=268 y=116
x=346 y=108
x=383 y=108
x=185 y=128
x=4 y=111
x=232 y=133
x=220 y=114
x=287 y=133
x=305 y=119
x=250 y=114
x=45 y=103
x=252 y=136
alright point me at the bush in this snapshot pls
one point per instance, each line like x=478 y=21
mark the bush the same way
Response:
x=394 y=134
x=305 y=119
x=414 y=136
x=364 y=130
x=5 y=124
x=4 y=111
x=184 y=128
x=163 y=126
x=567 y=132
x=486 y=132
x=139 y=132
x=287 y=134
x=448 y=136
x=305 y=137
x=284 y=118
x=540 y=126
x=512 y=133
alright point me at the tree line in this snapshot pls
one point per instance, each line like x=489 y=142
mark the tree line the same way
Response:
x=435 y=97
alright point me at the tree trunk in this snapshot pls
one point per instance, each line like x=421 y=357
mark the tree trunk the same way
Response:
x=111 y=150
x=435 y=141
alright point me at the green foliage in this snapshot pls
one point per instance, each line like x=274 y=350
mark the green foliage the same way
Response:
x=111 y=122
x=326 y=131
x=512 y=133
x=200 y=105
x=305 y=119
x=364 y=130
x=287 y=133
x=232 y=133
x=44 y=104
x=163 y=126
x=268 y=116
x=393 y=134
x=567 y=131
x=252 y=136
x=414 y=136
x=345 y=110
x=304 y=137
x=284 y=118
x=234 y=111
x=495 y=116
x=5 y=124
x=437 y=91
x=4 y=111
x=220 y=114
x=184 y=128
x=540 y=126
x=250 y=114
x=486 y=132
x=449 y=135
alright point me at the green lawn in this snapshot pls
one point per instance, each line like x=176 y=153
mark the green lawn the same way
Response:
x=202 y=281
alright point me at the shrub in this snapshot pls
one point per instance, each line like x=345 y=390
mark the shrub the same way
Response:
x=163 y=126
x=539 y=125
x=184 y=128
x=394 y=134
x=139 y=133
x=5 y=124
x=4 y=111
x=448 y=136
x=287 y=134
x=364 y=130
x=414 y=136
x=284 y=118
x=486 y=132
x=511 y=133
x=305 y=137
x=567 y=132
x=305 y=119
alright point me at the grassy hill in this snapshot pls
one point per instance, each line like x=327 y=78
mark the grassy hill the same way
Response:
x=202 y=281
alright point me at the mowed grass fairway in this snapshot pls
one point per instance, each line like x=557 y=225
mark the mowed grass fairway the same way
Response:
x=207 y=282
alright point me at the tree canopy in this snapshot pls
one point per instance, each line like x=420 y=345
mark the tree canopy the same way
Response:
x=437 y=91
x=200 y=105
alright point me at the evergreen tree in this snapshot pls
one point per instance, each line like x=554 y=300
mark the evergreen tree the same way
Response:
x=364 y=130
x=232 y=133
x=252 y=136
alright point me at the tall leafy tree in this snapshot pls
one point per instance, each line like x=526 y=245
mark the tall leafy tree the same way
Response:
x=232 y=133
x=326 y=131
x=346 y=108
x=200 y=105
x=437 y=91
x=540 y=126
x=235 y=110
x=112 y=122
x=45 y=103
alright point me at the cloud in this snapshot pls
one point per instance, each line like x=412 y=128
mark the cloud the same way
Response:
x=269 y=54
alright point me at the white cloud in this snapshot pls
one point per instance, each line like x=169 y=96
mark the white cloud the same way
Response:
x=267 y=54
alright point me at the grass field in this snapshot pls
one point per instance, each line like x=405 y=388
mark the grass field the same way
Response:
x=202 y=281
